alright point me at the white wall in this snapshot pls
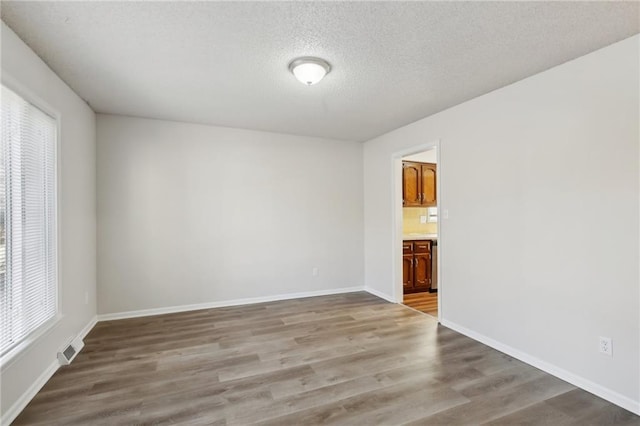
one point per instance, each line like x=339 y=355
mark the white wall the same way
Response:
x=540 y=251
x=77 y=218
x=429 y=156
x=193 y=214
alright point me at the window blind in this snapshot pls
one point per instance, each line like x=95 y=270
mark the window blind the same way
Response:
x=28 y=276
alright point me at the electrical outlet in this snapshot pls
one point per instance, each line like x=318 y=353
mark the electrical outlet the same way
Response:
x=606 y=347
x=315 y=272
x=423 y=219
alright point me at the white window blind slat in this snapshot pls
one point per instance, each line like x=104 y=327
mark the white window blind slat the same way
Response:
x=28 y=278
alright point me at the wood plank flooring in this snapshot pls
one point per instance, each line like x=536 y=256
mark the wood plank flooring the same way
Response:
x=350 y=359
x=424 y=302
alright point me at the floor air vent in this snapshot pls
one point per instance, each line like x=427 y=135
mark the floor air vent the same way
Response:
x=70 y=351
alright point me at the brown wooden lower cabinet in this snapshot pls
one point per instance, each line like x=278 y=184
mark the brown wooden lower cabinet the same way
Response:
x=416 y=266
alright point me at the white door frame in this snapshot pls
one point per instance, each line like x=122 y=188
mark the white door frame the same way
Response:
x=396 y=217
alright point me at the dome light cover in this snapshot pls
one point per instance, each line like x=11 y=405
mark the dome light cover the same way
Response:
x=309 y=70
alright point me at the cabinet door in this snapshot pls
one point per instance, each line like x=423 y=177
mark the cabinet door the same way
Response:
x=407 y=247
x=407 y=272
x=411 y=188
x=422 y=272
x=428 y=184
x=423 y=246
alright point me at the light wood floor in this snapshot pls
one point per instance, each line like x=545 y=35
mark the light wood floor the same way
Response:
x=349 y=359
x=424 y=302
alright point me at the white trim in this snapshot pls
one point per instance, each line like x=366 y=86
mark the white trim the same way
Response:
x=17 y=407
x=13 y=84
x=396 y=226
x=440 y=203
x=30 y=96
x=379 y=294
x=587 y=385
x=87 y=328
x=224 y=303
x=28 y=342
x=396 y=221
x=11 y=414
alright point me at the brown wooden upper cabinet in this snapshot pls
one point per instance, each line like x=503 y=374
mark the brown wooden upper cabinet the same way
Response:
x=418 y=184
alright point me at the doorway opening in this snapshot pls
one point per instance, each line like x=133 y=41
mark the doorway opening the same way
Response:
x=417 y=229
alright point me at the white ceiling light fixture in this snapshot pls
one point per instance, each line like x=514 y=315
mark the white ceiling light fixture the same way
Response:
x=309 y=70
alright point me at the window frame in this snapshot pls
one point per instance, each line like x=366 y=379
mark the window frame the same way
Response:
x=30 y=340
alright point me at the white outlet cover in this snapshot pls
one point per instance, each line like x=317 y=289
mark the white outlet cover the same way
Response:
x=423 y=219
x=605 y=346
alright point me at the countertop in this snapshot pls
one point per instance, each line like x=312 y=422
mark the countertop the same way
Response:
x=410 y=237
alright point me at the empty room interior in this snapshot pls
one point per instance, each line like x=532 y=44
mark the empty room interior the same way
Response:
x=300 y=213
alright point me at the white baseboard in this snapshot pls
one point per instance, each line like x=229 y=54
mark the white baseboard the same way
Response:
x=225 y=303
x=380 y=294
x=11 y=414
x=589 y=386
x=87 y=328
x=13 y=411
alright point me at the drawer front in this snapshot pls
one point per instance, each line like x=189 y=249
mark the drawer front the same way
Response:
x=422 y=246
x=407 y=247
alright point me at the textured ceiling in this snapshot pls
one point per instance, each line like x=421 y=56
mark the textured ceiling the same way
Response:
x=225 y=63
